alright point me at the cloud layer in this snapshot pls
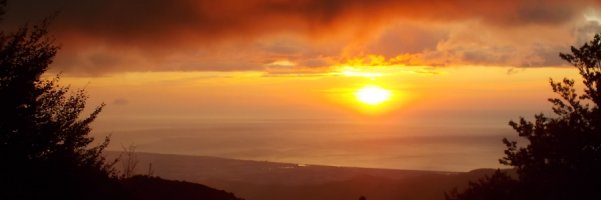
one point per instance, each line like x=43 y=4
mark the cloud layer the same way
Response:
x=104 y=36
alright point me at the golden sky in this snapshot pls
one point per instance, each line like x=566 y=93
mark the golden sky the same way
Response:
x=435 y=119
x=383 y=83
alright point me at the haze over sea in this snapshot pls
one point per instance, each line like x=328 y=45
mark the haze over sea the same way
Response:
x=454 y=126
x=327 y=142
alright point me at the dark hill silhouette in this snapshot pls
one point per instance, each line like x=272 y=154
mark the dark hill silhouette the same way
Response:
x=420 y=187
x=150 y=188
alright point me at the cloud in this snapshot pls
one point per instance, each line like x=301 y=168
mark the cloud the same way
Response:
x=103 y=36
x=120 y=101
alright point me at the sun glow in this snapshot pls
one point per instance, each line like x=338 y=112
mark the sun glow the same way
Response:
x=353 y=72
x=372 y=95
x=360 y=74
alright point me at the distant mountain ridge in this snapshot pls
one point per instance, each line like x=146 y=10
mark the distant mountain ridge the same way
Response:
x=262 y=180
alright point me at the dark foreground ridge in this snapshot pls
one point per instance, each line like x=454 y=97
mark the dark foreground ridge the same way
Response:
x=150 y=188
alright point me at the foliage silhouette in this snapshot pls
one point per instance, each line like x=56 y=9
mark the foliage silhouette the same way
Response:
x=562 y=159
x=2 y=7
x=129 y=161
x=44 y=142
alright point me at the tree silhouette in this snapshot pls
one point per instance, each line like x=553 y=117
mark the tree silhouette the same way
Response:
x=2 y=6
x=44 y=142
x=562 y=159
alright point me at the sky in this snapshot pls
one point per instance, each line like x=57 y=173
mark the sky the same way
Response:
x=402 y=84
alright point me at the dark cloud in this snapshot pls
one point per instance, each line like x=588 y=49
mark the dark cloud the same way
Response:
x=540 y=12
x=549 y=55
x=132 y=21
x=125 y=35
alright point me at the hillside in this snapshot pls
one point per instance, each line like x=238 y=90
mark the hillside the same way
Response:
x=261 y=180
x=151 y=188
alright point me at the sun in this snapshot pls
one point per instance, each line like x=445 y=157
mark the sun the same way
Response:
x=372 y=95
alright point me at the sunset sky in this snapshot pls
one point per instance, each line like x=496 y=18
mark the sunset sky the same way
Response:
x=408 y=84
